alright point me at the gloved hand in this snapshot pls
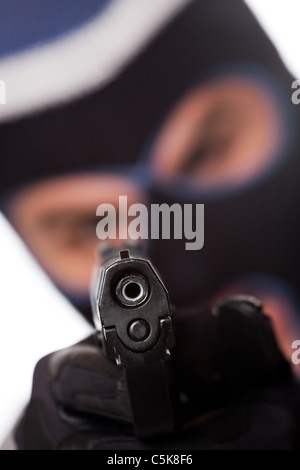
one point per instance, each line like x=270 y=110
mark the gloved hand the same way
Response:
x=235 y=386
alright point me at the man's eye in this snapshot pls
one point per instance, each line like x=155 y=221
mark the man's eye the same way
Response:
x=209 y=149
x=217 y=138
x=69 y=228
x=213 y=140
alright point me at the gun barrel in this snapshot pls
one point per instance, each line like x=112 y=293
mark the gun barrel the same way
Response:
x=133 y=315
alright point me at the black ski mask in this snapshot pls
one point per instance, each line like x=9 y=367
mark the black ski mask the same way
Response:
x=251 y=215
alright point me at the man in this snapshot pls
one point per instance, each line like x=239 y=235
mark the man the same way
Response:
x=190 y=103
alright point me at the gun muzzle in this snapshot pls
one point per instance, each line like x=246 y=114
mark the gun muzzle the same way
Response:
x=132 y=313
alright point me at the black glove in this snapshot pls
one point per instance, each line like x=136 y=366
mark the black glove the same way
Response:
x=236 y=390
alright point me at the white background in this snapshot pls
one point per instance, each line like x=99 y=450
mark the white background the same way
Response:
x=35 y=319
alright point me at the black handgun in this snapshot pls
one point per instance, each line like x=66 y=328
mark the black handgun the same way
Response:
x=132 y=313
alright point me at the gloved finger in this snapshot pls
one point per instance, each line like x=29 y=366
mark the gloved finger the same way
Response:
x=83 y=379
x=235 y=339
x=249 y=354
x=70 y=390
x=223 y=351
x=256 y=420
